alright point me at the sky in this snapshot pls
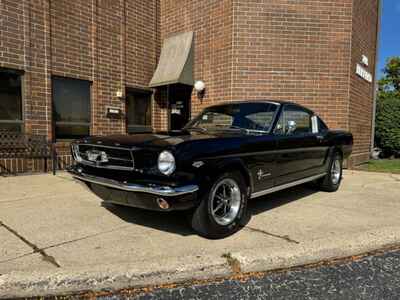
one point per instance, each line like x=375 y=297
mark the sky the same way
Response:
x=390 y=32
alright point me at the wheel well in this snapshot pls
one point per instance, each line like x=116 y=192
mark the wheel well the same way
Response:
x=338 y=150
x=238 y=167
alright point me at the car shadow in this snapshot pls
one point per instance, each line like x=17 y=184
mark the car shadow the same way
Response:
x=176 y=222
x=268 y=202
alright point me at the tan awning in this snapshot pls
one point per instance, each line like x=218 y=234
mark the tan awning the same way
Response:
x=176 y=61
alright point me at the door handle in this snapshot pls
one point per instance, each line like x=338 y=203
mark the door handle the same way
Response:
x=320 y=138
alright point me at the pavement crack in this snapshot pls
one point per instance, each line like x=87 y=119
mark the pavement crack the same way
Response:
x=233 y=263
x=84 y=237
x=62 y=244
x=283 y=237
x=48 y=258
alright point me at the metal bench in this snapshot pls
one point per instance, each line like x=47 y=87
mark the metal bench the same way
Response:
x=16 y=145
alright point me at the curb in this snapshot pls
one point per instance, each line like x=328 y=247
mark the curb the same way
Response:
x=176 y=270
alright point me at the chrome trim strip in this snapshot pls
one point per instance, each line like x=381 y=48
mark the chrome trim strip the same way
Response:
x=110 y=167
x=109 y=147
x=285 y=186
x=280 y=151
x=132 y=187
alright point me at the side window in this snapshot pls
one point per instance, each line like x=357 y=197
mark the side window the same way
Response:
x=322 y=126
x=294 y=121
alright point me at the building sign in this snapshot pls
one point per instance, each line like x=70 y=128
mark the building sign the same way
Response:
x=114 y=112
x=364 y=74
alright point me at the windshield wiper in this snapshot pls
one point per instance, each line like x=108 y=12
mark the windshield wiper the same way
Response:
x=202 y=129
x=232 y=127
x=246 y=130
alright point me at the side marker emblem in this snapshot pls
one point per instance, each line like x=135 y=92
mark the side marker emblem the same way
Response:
x=261 y=174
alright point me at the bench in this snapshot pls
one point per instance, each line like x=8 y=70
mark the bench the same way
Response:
x=16 y=145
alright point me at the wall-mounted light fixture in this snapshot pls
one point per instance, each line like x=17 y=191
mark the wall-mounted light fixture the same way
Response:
x=119 y=94
x=200 y=88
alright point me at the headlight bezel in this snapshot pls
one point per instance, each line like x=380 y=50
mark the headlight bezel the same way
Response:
x=166 y=163
x=75 y=152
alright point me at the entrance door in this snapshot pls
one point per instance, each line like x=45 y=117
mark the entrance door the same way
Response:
x=179 y=105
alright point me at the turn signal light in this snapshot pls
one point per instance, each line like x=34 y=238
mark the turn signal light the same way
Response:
x=163 y=204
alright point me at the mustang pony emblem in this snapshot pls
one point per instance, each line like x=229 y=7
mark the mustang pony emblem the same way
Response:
x=261 y=174
x=97 y=156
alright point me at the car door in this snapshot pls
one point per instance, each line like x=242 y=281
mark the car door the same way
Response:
x=299 y=150
x=259 y=149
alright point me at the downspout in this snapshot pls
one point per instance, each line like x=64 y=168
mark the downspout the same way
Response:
x=378 y=29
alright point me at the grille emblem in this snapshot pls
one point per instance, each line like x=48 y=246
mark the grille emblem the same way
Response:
x=97 y=156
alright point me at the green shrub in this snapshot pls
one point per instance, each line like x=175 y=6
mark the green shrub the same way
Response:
x=388 y=125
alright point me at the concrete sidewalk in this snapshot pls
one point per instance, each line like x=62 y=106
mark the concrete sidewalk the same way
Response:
x=57 y=237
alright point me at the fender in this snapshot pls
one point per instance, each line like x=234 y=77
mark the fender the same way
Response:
x=213 y=168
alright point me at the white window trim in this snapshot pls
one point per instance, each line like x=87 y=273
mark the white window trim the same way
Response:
x=314 y=124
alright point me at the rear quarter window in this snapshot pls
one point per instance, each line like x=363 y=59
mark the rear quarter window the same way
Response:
x=321 y=125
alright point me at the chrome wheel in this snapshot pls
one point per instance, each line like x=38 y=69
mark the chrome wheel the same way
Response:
x=225 y=201
x=336 y=171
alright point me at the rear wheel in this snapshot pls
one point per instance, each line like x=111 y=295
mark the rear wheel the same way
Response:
x=222 y=207
x=331 y=181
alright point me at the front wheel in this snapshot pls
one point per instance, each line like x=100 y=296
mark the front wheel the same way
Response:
x=331 y=181
x=222 y=208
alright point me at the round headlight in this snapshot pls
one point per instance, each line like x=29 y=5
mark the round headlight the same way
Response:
x=166 y=163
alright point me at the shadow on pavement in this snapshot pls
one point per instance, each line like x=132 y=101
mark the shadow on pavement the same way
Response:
x=177 y=221
x=173 y=222
x=265 y=203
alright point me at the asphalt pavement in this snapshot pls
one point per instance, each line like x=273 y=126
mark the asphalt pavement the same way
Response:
x=373 y=277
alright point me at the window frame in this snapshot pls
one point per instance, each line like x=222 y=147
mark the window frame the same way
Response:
x=54 y=122
x=138 y=128
x=20 y=122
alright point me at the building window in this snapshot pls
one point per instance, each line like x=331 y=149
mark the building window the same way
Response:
x=138 y=111
x=10 y=101
x=71 y=108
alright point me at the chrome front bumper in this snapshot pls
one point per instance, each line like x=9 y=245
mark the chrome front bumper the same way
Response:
x=158 y=190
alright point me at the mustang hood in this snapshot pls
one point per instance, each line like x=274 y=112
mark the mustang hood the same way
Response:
x=158 y=139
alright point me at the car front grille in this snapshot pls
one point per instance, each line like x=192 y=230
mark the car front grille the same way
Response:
x=104 y=157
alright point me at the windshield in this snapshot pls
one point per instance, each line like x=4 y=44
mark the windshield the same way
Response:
x=242 y=116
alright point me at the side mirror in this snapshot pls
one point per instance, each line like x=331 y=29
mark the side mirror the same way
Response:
x=291 y=127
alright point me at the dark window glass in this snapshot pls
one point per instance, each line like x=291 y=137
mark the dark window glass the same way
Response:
x=250 y=116
x=71 y=101
x=301 y=117
x=10 y=101
x=138 y=111
x=322 y=126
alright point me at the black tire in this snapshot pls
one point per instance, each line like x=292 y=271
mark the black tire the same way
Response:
x=205 y=223
x=331 y=181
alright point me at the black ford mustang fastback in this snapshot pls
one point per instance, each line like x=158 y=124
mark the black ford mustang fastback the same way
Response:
x=227 y=155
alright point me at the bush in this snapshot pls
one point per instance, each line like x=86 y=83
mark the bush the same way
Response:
x=388 y=126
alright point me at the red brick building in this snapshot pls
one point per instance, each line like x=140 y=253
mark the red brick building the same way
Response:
x=78 y=67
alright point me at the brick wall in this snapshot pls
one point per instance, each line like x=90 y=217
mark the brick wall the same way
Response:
x=305 y=51
x=112 y=43
x=294 y=50
x=365 y=19
x=211 y=22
